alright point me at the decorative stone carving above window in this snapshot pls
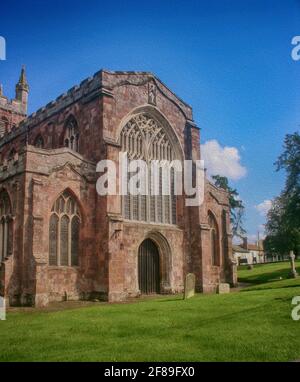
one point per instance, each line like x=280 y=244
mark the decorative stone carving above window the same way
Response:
x=152 y=93
x=145 y=138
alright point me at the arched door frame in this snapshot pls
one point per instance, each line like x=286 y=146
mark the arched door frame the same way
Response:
x=149 y=268
x=165 y=260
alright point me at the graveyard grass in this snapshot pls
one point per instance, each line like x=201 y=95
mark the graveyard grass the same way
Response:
x=254 y=324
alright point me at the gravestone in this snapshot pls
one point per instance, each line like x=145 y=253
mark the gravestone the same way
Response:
x=223 y=288
x=293 y=272
x=2 y=308
x=189 y=285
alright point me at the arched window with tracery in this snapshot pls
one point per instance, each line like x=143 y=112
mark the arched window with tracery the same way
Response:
x=214 y=240
x=6 y=226
x=4 y=124
x=13 y=155
x=39 y=142
x=144 y=137
x=224 y=235
x=71 y=137
x=64 y=228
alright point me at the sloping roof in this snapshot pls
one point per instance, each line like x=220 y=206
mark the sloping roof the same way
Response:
x=254 y=247
x=237 y=248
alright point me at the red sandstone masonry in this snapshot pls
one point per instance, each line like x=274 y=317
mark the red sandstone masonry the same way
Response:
x=108 y=243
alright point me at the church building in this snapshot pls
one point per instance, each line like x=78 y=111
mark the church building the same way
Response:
x=61 y=240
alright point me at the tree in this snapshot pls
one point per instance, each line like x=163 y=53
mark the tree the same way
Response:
x=289 y=160
x=237 y=208
x=283 y=225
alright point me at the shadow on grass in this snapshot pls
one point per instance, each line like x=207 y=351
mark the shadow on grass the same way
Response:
x=271 y=286
x=263 y=278
x=284 y=299
x=171 y=299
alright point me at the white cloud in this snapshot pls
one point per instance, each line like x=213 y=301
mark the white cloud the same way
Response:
x=264 y=207
x=224 y=161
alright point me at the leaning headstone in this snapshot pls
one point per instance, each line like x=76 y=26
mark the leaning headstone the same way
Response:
x=189 y=285
x=223 y=288
x=293 y=272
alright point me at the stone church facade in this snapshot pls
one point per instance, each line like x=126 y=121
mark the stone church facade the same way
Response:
x=61 y=240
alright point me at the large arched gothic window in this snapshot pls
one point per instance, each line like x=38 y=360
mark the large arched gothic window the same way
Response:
x=71 y=137
x=39 y=142
x=143 y=137
x=6 y=226
x=64 y=227
x=214 y=239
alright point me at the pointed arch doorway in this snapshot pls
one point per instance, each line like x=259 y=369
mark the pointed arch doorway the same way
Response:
x=148 y=268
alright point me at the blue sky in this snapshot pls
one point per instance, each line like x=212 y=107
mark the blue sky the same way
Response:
x=230 y=60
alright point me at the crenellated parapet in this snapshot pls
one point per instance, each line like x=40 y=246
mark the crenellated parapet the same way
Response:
x=102 y=83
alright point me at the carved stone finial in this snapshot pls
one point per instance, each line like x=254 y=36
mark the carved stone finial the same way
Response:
x=22 y=80
x=22 y=90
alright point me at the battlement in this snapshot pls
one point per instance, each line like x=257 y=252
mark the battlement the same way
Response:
x=89 y=87
x=12 y=106
x=101 y=83
x=12 y=112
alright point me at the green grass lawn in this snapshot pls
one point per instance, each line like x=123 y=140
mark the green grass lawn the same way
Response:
x=253 y=325
x=263 y=273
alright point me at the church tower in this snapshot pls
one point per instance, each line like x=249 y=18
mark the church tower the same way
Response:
x=13 y=111
x=22 y=90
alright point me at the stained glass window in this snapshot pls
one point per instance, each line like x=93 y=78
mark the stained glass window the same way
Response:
x=6 y=226
x=74 y=240
x=53 y=240
x=71 y=139
x=214 y=239
x=143 y=137
x=64 y=229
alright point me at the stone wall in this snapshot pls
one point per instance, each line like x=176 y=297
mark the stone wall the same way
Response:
x=109 y=244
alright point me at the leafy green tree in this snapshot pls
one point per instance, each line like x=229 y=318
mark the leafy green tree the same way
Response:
x=237 y=209
x=278 y=239
x=289 y=160
x=283 y=225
